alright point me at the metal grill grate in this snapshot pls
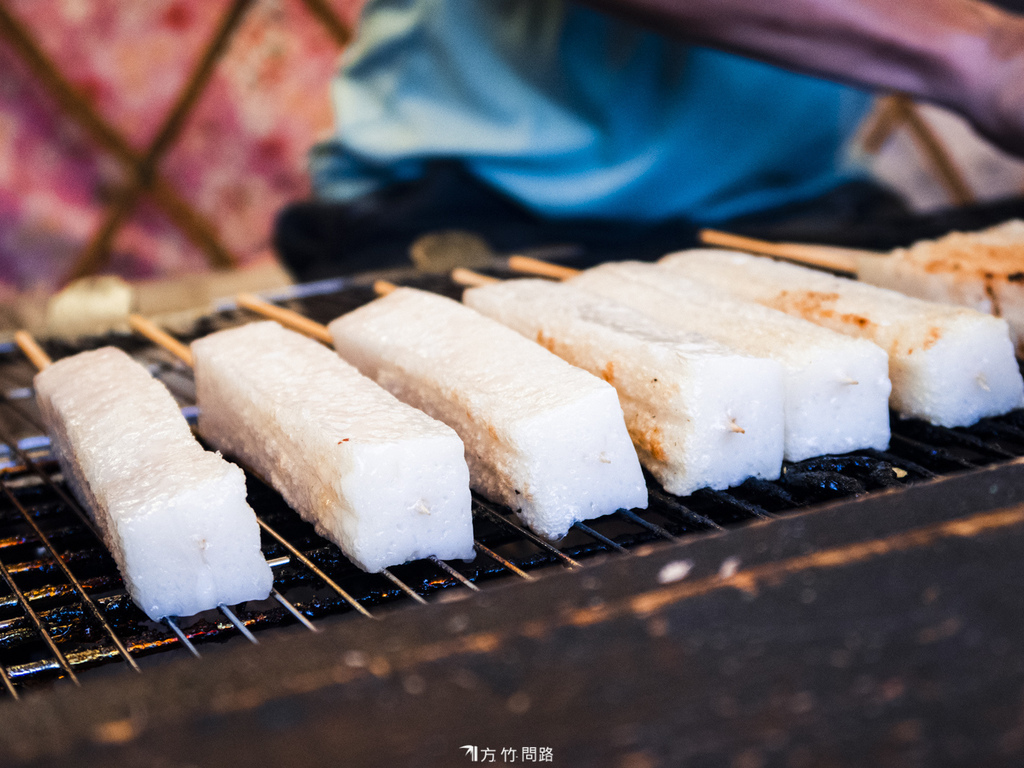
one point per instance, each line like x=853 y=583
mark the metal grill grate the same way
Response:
x=64 y=610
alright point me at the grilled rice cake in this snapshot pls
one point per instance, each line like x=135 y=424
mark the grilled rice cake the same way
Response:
x=836 y=388
x=982 y=270
x=542 y=437
x=700 y=415
x=384 y=481
x=948 y=365
x=173 y=515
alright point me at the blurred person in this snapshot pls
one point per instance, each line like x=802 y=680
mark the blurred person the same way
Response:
x=622 y=125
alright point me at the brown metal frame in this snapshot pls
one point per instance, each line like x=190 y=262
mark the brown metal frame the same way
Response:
x=142 y=168
x=897 y=111
x=629 y=656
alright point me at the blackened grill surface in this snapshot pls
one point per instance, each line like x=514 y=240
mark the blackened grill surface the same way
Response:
x=50 y=633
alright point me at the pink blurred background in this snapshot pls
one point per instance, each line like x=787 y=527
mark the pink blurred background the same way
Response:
x=242 y=152
x=239 y=158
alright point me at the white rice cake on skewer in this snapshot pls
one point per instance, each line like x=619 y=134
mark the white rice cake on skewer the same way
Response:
x=836 y=387
x=948 y=365
x=173 y=515
x=542 y=437
x=700 y=415
x=384 y=481
x=982 y=270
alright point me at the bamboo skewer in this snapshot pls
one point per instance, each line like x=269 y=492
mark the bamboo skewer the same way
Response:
x=146 y=327
x=533 y=266
x=296 y=322
x=471 y=279
x=827 y=256
x=285 y=317
x=32 y=350
x=529 y=266
x=289 y=318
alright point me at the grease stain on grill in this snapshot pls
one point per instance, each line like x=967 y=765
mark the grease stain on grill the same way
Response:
x=918 y=452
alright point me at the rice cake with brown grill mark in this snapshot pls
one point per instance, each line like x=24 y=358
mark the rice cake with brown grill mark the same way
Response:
x=700 y=414
x=382 y=480
x=948 y=365
x=836 y=387
x=542 y=437
x=982 y=270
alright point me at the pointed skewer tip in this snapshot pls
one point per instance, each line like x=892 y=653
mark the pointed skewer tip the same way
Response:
x=471 y=279
x=532 y=266
x=30 y=347
x=150 y=330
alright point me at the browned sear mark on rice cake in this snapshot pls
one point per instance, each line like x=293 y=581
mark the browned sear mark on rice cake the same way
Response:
x=649 y=441
x=807 y=304
x=545 y=341
x=608 y=372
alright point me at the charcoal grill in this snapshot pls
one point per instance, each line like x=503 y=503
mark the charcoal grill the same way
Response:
x=66 y=621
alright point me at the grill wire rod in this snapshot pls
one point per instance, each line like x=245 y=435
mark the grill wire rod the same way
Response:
x=170 y=622
x=86 y=599
x=239 y=624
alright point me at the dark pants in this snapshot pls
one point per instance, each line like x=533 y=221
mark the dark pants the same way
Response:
x=319 y=239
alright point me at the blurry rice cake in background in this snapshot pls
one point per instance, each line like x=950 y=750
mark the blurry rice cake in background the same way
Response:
x=95 y=305
x=982 y=270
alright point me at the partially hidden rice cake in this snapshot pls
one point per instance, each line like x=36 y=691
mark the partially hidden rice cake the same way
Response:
x=384 y=481
x=948 y=365
x=173 y=515
x=836 y=387
x=983 y=270
x=700 y=415
x=542 y=437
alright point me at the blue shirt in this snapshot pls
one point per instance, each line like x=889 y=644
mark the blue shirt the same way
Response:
x=577 y=114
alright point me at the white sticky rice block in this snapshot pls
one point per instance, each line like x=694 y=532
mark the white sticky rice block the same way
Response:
x=383 y=481
x=948 y=365
x=836 y=387
x=981 y=270
x=683 y=395
x=542 y=437
x=173 y=515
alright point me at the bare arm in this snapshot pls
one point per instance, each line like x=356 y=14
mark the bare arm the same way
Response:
x=963 y=54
